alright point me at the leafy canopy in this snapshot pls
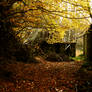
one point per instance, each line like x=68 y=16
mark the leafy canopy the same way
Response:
x=53 y=16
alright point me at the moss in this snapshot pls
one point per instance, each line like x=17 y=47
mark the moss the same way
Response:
x=78 y=58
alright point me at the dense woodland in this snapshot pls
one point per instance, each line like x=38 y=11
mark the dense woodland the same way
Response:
x=38 y=40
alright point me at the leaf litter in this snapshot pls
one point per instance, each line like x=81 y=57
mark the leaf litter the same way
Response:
x=44 y=76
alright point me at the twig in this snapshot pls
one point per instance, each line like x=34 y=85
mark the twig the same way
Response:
x=76 y=87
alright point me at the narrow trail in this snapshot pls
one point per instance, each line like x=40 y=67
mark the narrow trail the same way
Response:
x=44 y=76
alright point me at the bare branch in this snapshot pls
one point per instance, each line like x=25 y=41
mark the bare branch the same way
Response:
x=54 y=13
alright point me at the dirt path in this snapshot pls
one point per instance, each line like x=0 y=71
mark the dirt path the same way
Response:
x=44 y=76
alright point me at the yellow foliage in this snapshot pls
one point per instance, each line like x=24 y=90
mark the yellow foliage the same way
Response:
x=56 y=16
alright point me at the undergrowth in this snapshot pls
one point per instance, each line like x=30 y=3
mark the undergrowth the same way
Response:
x=78 y=58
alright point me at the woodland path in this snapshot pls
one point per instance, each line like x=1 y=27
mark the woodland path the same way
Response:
x=45 y=76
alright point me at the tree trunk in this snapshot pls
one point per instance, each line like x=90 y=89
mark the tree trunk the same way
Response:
x=88 y=44
x=6 y=34
x=9 y=44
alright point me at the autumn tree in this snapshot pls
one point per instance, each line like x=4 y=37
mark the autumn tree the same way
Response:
x=18 y=18
x=81 y=20
x=26 y=17
x=38 y=16
x=5 y=26
x=55 y=16
x=9 y=43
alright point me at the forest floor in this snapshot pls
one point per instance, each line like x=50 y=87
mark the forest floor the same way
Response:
x=45 y=76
